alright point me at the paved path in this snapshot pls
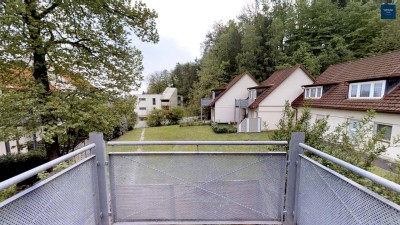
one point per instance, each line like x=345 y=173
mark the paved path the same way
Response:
x=141 y=139
x=141 y=124
x=386 y=165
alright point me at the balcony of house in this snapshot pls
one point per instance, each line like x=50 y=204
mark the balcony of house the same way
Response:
x=198 y=187
x=242 y=103
x=205 y=102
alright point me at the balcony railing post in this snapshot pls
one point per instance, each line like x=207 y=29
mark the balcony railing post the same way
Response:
x=100 y=152
x=294 y=151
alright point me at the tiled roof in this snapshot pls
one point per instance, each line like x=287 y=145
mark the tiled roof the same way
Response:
x=380 y=66
x=230 y=85
x=371 y=68
x=274 y=81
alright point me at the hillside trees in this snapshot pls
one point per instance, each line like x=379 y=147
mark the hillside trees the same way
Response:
x=84 y=42
x=273 y=35
x=158 y=81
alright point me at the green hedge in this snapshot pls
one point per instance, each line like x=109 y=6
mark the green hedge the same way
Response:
x=14 y=164
x=223 y=128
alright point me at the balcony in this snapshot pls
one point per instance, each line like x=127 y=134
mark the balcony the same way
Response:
x=205 y=102
x=242 y=103
x=198 y=188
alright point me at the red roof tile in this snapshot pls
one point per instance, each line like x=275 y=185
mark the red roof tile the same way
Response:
x=371 y=68
x=230 y=85
x=274 y=81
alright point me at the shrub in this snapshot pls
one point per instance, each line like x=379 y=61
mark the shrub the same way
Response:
x=223 y=128
x=359 y=149
x=175 y=115
x=14 y=164
x=8 y=192
x=156 y=118
x=118 y=130
x=192 y=123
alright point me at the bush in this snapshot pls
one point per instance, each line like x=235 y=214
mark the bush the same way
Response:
x=175 y=115
x=359 y=149
x=192 y=123
x=223 y=128
x=14 y=164
x=156 y=118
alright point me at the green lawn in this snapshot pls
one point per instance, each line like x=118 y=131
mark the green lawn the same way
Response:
x=191 y=133
x=386 y=174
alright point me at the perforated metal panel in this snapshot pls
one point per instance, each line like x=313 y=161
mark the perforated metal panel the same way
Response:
x=67 y=198
x=326 y=197
x=197 y=187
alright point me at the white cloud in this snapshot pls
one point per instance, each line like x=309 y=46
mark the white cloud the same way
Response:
x=182 y=26
x=187 y=21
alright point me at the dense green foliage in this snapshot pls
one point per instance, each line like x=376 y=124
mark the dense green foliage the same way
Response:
x=160 y=117
x=272 y=35
x=175 y=115
x=359 y=148
x=82 y=47
x=223 y=128
x=156 y=118
x=14 y=164
x=182 y=77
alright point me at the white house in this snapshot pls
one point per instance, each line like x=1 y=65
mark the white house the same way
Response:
x=147 y=102
x=223 y=105
x=266 y=102
x=346 y=91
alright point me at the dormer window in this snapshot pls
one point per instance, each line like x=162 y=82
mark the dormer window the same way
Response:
x=313 y=92
x=372 y=89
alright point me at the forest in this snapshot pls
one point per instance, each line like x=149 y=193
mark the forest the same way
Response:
x=271 y=35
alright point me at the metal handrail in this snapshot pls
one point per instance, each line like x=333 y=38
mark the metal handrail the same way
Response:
x=126 y=143
x=32 y=172
x=377 y=179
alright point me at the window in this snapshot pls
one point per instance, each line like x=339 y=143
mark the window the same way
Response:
x=142 y=108
x=313 y=92
x=373 y=89
x=154 y=101
x=142 y=99
x=388 y=131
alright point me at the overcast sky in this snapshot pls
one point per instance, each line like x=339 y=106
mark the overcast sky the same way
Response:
x=182 y=26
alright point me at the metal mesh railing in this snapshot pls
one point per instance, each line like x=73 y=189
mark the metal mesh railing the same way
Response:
x=67 y=198
x=197 y=187
x=326 y=197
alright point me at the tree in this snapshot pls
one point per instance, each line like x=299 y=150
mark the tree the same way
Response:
x=84 y=42
x=183 y=77
x=158 y=81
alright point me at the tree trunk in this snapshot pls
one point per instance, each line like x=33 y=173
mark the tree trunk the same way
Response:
x=53 y=149
x=40 y=70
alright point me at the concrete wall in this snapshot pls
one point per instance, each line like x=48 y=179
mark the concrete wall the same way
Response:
x=173 y=101
x=337 y=117
x=271 y=108
x=224 y=111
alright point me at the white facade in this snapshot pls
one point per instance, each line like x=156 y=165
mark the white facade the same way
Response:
x=224 y=108
x=147 y=102
x=337 y=117
x=271 y=108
